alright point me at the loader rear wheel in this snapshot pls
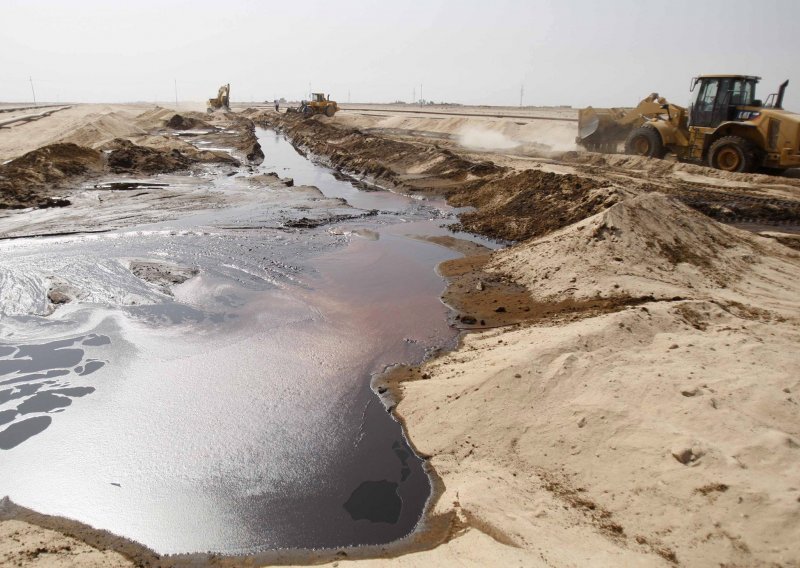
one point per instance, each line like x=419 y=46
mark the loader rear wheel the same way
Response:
x=645 y=141
x=329 y=110
x=732 y=154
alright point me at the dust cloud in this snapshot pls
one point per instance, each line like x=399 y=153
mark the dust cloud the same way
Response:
x=559 y=136
x=478 y=138
x=535 y=137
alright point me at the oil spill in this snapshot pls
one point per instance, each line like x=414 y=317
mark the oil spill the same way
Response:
x=232 y=408
x=128 y=185
x=375 y=501
x=26 y=385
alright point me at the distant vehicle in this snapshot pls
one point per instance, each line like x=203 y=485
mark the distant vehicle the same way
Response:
x=319 y=104
x=222 y=100
x=725 y=127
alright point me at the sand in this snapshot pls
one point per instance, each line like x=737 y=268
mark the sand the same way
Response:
x=26 y=545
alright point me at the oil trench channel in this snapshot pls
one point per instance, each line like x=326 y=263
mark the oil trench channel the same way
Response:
x=381 y=296
x=237 y=416
x=383 y=285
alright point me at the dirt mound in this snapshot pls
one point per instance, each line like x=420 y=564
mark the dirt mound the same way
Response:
x=127 y=157
x=247 y=142
x=101 y=128
x=741 y=205
x=164 y=275
x=30 y=180
x=650 y=246
x=181 y=122
x=531 y=203
x=726 y=196
x=236 y=132
x=169 y=143
x=153 y=118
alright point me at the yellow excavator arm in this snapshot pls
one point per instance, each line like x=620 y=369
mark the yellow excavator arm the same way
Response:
x=222 y=100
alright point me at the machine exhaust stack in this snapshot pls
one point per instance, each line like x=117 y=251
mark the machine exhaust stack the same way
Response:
x=781 y=91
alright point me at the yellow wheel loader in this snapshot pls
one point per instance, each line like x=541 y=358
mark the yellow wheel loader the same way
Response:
x=725 y=127
x=222 y=101
x=319 y=104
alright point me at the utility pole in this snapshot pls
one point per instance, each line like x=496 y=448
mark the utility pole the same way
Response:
x=176 y=94
x=414 y=98
x=420 y=93
x=521 y=92
x=348 y=96
x=32 y=90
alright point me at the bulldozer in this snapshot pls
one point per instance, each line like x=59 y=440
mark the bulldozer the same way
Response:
x=725 y=127
x=319 y=104
x=222 y=100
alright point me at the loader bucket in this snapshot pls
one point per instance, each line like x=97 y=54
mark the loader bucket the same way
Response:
x=600 y=128
x=588 y=125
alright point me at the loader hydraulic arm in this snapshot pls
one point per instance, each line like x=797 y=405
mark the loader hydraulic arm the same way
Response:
x=652 y=105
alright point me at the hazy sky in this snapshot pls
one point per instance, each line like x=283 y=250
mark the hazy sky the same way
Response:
x=576 y=52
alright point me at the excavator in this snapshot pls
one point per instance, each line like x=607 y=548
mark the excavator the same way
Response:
x=725 y=127
x=222 y=100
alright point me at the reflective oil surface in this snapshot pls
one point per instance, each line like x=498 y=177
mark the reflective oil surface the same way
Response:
x=231 y=412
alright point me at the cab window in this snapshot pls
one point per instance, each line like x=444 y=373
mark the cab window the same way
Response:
x=707 y=95
x=743 y=92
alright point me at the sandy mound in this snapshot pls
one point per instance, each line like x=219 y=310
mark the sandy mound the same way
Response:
x=661 y=168
x=664 y=433
x=159 y=155
x=652 y=246
x=620 y=436
x=163 y=275
x=127 y=157
x=55 y=162
x=531 y=203
x=169 y=143
x=29 y=180
x=183 y=122
x=153 y=118
x=99 y=129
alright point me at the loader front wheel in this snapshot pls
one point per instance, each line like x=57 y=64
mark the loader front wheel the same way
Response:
x=732 y=154
x=329 y=111
x=645 y=141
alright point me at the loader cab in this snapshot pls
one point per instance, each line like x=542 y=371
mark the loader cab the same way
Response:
x=318 y=97
x=716 y=98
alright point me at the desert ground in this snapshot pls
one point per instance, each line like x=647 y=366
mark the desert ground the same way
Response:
x=624 y=388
